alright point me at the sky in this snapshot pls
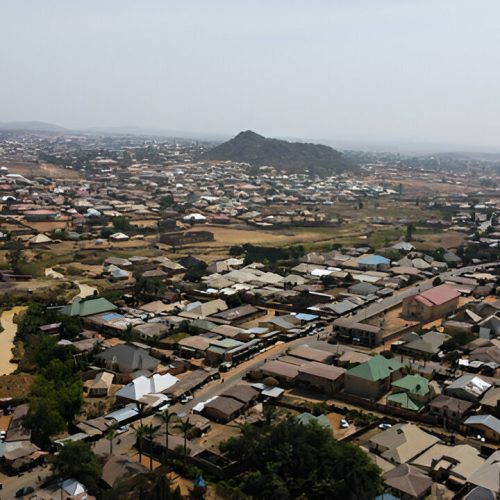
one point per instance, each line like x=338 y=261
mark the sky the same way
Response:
x=337 y=70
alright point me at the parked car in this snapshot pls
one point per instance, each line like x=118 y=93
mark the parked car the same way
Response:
x=122 y=429
x=22 y=492
x=186 y=399
x=344 y=424
x=384 y=426
x=2 y=435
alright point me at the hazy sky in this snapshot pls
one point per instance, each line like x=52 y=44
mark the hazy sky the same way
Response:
x=424 y=70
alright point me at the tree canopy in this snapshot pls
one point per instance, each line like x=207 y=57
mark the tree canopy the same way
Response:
x=290 y=460
x=77 y=460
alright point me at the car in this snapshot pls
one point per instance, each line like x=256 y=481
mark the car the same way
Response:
x=384 y=426
x=22 y=492
x=186 y=399
x=122 y=429
x=344 y=424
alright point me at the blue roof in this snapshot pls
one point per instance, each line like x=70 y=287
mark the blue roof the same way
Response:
x=199 y=482
x=374 y=260
x=306 y=317
x=129 y=411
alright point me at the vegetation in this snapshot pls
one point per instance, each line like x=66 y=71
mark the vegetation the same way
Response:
x=291 y=460
x=257 y=150
x=77 y=460
x=55 y=398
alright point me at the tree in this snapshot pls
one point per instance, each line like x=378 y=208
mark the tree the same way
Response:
x=77 y=460
x=150 y=433
x=110 y=435
x=185 y=426
x=290 y=460
x=166 y=201
x=437 y=281
x=410 y=228
x=140 y=434
x=15 y=255
x=166 y=418
x=44 y=420
x=121 y=223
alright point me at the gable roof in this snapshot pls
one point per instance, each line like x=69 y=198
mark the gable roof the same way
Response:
x=486 y=420
x=377 y=368
x=88 y=307
x=415 y=384
x=438 y=295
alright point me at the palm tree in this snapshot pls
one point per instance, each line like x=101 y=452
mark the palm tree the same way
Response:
x=111 y=434
x=140 y=434
x=185 y=426
x=150 y=433
x=166 y=417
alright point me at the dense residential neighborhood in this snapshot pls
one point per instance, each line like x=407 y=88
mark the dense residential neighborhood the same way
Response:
x=158 y=303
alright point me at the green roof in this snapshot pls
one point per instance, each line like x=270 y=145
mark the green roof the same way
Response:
x=414 y=384
x=88 y=307
x=376 y=368
x=404 y=401
x=306 y=418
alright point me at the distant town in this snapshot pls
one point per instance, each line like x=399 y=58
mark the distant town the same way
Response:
x=173 y=323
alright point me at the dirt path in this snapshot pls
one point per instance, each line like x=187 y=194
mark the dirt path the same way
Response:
x=7 y=339
x=85 y=290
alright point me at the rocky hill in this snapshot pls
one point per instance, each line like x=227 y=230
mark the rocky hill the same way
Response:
x=294 y=157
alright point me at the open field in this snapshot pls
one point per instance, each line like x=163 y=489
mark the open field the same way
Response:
x=42 y=170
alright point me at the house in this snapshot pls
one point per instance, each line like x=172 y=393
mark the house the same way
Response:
x=490 y=402
x=373 y=378
x=310 y=354
x=223 y=409
x=358 y=333
x=468 y=387
x=401 y=443
x=434 y=303
x=410 y=392
x=420 y=346
x=285 y=373
x=194 y=346
x=319 y=376
x=487 y=425
x=447 y=407
x=125 y=359
x=101 y=385
x=200 y=310
x=239 y=314
x=453 y=464
x=118 y=467
x=374 y=262
x=88 y=307
x=151 y=330
x=488 y=475
x=408 y=481
x=147 y=389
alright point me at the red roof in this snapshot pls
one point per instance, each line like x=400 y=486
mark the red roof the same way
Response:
x=438 y=295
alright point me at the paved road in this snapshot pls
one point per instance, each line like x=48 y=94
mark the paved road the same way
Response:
x=30 y=478
x=236 y=374
x=397 y=298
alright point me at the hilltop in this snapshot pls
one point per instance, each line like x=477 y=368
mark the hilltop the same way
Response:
x=257 y=150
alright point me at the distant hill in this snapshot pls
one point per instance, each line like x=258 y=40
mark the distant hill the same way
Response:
x=32 y=126
x=294 y=157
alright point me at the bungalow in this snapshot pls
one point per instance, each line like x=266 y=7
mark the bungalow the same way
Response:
x=468 y=387
x=101 y=385
x=488 y=425
x=408 y=481
x=89 y=307
x=401 y=443
x=237 y=315
x=374 y=262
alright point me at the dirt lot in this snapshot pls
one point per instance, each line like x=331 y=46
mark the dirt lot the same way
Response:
x=439 y=239
x=43 y=170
